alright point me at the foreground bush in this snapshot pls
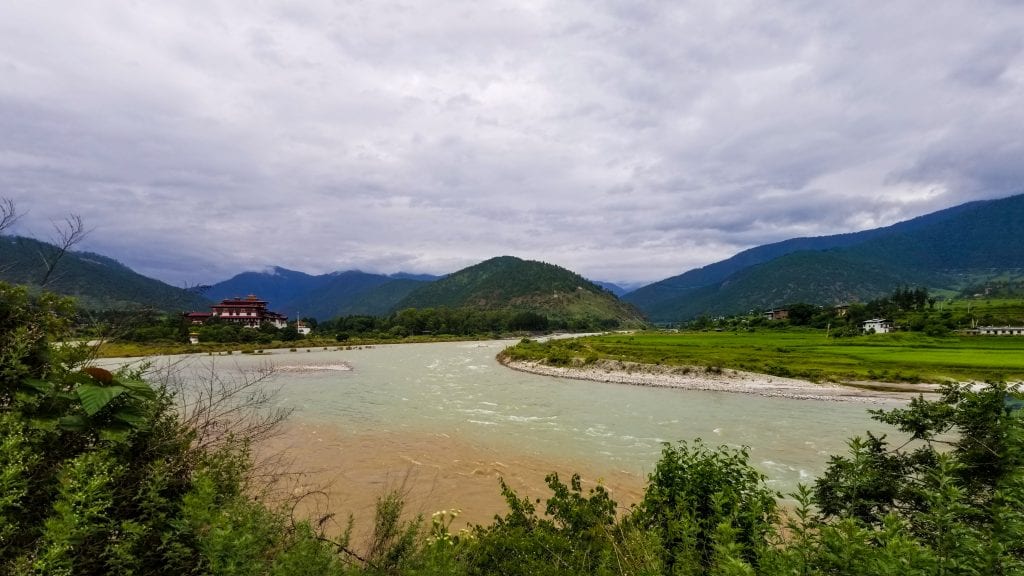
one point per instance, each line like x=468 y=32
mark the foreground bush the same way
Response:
x=99 y=474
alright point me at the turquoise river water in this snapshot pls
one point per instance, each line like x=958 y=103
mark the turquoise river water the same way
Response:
x=460 y=391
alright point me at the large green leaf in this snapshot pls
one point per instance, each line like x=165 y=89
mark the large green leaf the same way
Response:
x=48 y=424
x=139 y=389
x=73 y=423
x=38 y=385
x=131 y=415
x=95 y=398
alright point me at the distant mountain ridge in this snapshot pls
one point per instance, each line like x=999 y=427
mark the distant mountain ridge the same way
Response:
x=98 y=282
x=612 y=287
x=946 y=251
x=322 y=296
x=939 y=250
x=276 y=285
x=510 y=283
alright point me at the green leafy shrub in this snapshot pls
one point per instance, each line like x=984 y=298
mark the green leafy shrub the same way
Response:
x=708 y=506
x=99 y=474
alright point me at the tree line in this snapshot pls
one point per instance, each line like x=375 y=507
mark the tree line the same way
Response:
x=155 y=327
x=911 y=309
x=456 y=322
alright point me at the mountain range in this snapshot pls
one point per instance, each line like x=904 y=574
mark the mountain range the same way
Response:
x=323 y=296
x=945 y=251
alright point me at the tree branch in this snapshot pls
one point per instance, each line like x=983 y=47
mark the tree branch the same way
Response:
x=66 y=235
x=8 y=214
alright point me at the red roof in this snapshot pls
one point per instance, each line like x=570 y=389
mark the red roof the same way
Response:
x=259 y=307
x=241 y=302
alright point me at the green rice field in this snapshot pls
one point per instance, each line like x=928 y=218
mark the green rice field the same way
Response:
x=807 y=354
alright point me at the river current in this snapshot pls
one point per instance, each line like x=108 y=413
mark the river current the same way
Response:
x=459 y=391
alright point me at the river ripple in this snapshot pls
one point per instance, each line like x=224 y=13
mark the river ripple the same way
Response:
x=459 y=391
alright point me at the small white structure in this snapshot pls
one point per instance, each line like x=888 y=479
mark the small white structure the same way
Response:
x=1001 y=330
x=302 y=329
x=193 y=338
x=877 y=326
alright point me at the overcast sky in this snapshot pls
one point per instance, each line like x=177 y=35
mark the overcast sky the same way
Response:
x=628 y=141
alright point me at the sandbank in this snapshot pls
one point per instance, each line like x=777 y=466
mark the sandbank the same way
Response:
x=723 y=380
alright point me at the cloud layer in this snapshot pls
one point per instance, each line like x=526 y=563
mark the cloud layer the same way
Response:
x=629 y=141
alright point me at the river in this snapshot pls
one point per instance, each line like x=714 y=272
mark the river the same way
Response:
x=453 y=410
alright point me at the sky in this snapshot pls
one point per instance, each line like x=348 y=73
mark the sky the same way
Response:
x=628 y=141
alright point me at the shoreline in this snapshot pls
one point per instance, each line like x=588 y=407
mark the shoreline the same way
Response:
x=724 y=380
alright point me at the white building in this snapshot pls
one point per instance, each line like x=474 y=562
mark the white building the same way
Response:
x=877 y=326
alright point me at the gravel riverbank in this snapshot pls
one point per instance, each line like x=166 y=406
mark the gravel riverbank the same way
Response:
x=723 y=380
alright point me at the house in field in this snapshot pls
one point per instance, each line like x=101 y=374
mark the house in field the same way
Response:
x=250 y=312
x=876 y=326
x=1000 y=330
x=777 y=314
x=302 y=328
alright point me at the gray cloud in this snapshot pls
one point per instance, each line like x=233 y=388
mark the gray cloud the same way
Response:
x=628 y=141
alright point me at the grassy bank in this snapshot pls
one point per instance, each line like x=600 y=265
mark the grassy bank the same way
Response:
x=807 y=354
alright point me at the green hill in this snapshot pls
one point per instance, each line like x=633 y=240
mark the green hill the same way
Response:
x=813 y=277
x=509 y=283
x=666 y=294
x=381 y=299
x=98 y=282
x=945 y=251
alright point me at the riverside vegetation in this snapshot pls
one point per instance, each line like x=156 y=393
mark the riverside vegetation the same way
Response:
x=103 y=473
x=798 y=353
x=151 y=333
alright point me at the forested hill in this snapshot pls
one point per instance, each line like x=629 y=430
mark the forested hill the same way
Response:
x=509 y=283
x=351 y=293
x=943 y=250
x=98 y=282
